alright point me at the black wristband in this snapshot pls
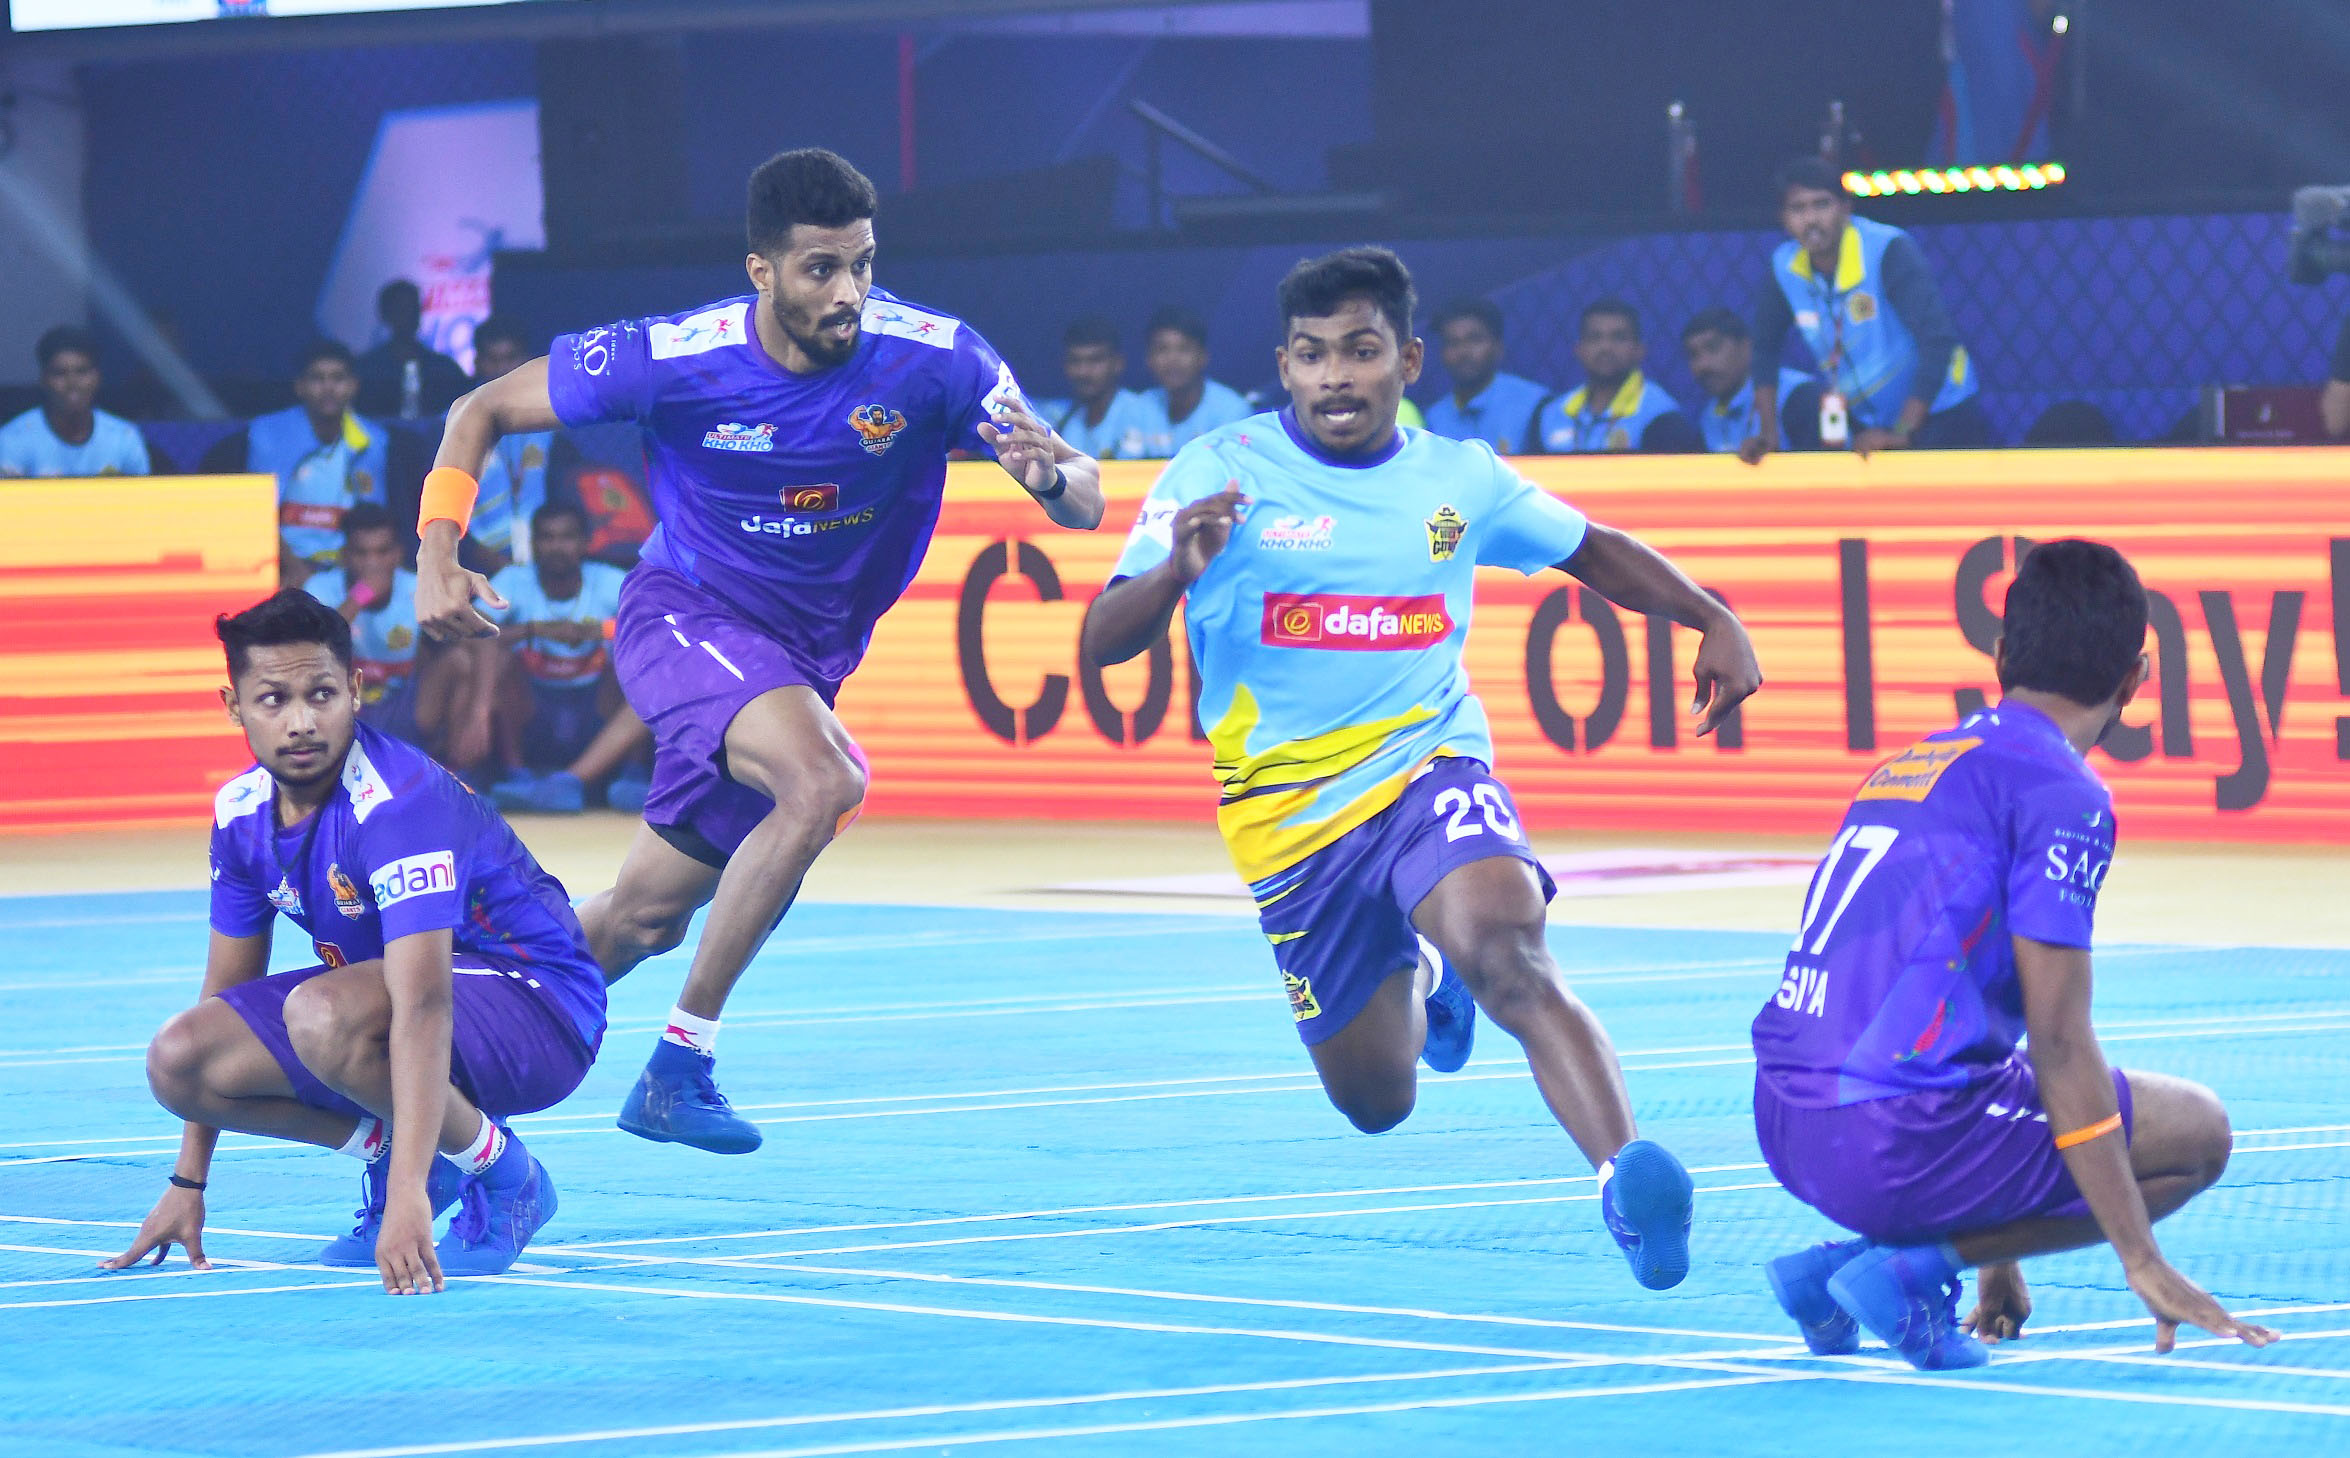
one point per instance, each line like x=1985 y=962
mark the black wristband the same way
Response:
x=182 y=1182
x=1060 y=485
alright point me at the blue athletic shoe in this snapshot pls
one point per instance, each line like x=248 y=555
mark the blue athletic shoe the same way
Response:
x=1452 y=1022
x=558 y=792
x=512 y=792
x=1800 y=1281
x=627 y=793
x=441 y=1187
x=1647 y=1209
x=502 y=1209
x=677 y=1101
x=1908 y=1297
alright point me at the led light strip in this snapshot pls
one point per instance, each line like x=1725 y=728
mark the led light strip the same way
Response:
x=2029 y=177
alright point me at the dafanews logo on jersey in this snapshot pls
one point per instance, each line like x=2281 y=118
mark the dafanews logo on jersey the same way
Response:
x=1355 y=624
x=811 y=498
x=414 y=876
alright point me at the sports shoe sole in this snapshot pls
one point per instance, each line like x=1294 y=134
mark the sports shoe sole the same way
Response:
x=1654 y=1196
x=732 y=1145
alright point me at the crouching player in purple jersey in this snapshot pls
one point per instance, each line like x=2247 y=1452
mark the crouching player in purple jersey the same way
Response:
x=455 y=988
x=797 y=443
x=1950 y=918
x=1325 y=559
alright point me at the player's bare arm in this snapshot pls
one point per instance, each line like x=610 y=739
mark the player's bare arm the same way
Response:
x=2077 y=1087
x=512 y=404
x=418 y=975
x=1631 y=574
x=178 y=1217
x=1133 y=613
x=1065 y=481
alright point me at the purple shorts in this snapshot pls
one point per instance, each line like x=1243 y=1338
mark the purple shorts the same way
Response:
x=511 y=1050
x=1929 y=1165
x=689 y=664
x=1340 y=920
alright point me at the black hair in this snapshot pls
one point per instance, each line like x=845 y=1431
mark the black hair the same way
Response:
x=398 y=288
x=811 y=186
x=2075 y=621
x=1609 y=307
x=289 y=616
x=557 y=510
x=1483 y=310
x=1183 y=321
x=333 y=349
x=369 y=516
x=1317 y=287
x=502 y=326
x=66 y=339
x=1716 y=320
x=1811 y=173
x=1093 y=329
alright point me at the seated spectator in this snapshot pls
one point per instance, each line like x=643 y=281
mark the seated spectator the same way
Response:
x=1865 y=302
x=521 y=474
x=1617 y=408
x=413 y=690
x=1100 y=417
x=66 y=434
x=383 y=370
x=2333 y=403
x=1721 y=358
x=326 y=460
x=2072 y=423
x=1186 y=404
x=1487 y=403
x=560 y=722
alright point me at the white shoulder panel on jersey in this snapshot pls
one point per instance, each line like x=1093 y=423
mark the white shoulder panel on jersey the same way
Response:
x=364 y=784
x=241 y=796
x=701 y=333
x=904 y=321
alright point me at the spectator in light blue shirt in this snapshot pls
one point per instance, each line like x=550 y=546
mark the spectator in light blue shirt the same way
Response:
x=1721 y=355
x=1186 y=403
x=66 y=434
x=1487 y=403
x=1102 y=418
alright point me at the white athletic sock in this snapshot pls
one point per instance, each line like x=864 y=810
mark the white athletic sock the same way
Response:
x=371 y=1141
x=688 y=1031
x=483 y=1151
x=1607 y=1172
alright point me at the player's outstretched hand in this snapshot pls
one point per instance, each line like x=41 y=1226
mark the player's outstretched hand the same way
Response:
x=403 y=1248
x=1201 y=529
x=1726 y=671
x=2175 y=1300
x=2002 y=1306
x=1022 y=443
x=177 y=1219
x=445 y=594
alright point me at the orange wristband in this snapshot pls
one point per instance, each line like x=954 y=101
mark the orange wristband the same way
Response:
x=2088 y=1132
x=448 y=496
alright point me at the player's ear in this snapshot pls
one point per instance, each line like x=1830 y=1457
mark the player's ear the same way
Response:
x=1415 y=358
x=762 y=273
x=1281 y=366
x=1999 y=659
x=228 y=703
x=2132 y=681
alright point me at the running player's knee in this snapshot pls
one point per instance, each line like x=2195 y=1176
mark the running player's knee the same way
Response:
x=641 y=930
x=2214 y=1138
x=825 y=792
x=175 y=1064
x=320 y=1027
x=1508 y=969
x=1375 y=1110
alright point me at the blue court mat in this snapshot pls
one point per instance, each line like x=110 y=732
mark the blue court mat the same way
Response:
x=1063 y=1183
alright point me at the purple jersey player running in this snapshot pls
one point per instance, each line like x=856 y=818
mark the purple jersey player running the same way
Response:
x=1950 y=918
x=797 y=442
x=455 y=989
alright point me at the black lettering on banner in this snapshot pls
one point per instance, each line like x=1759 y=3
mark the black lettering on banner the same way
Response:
x=1976 y=622
x=2243 y=787
x=1615 y=668
x=1860 y=662
x=2170 y=672
x=1000 y=559
x=1731 y=734
x=1661 y=698
x=1115 y=724
x=2339 y=562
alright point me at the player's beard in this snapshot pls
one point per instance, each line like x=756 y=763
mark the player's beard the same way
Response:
x=819 y=344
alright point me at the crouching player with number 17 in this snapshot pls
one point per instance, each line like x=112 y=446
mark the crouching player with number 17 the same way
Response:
x=1950 y=917
x=1325 y=559
x=454 y=989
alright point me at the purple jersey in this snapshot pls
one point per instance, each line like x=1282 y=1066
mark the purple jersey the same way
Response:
x=401 y=848
x=1902 y=976
x=804 y=502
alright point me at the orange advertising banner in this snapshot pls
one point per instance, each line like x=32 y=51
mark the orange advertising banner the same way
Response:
x=109 y=673
x=1872 y=589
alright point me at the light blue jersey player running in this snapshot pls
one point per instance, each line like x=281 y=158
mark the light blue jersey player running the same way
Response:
x=1325 y=559
x=1951 y=916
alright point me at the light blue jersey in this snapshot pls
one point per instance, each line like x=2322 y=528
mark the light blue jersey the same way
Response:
x=548 y=660
x=513 y=485
x=1219 y=405
x=317 y=481
x=1116 y=437
x=383 y=635
x=28 y=447
x=1498 y=415
x=1328 y=633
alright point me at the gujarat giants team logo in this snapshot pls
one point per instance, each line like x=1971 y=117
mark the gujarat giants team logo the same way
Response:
x=1444 y=533
x=877 y=426
x=811 y=498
